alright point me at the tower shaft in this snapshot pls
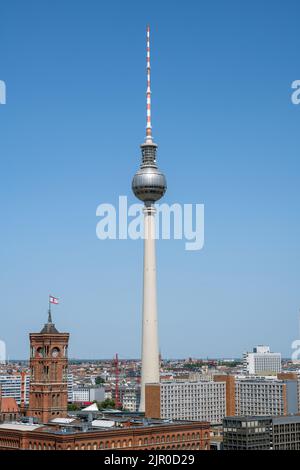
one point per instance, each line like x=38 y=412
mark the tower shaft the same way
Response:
x=149 y=185
x=150 y=348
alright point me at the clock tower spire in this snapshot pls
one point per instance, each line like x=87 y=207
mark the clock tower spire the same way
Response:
x=48 y=394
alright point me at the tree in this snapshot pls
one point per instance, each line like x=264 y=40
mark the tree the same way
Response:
x=99 y=380
x=73 y=407
x=108 y=403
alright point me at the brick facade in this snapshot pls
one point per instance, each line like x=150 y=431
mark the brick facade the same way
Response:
x=230 y=392
x=48 y=396
x=152 y=401
x=190 y=436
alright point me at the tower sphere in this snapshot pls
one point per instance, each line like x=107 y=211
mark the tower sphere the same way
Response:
x=149 y=183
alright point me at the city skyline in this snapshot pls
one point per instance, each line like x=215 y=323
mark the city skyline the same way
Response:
x=227 y=131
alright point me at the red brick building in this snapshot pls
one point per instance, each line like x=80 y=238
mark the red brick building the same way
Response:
x=180 y=435
x=48 y=396
x=9 y=410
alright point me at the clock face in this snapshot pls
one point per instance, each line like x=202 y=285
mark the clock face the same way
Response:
x=55 y=352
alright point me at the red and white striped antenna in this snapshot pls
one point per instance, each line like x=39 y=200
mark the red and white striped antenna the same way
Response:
x=148 y=92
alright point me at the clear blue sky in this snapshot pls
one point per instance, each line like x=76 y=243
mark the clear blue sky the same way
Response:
x=228 y=137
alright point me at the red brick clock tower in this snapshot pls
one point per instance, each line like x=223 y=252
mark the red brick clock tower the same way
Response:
x=48 y=396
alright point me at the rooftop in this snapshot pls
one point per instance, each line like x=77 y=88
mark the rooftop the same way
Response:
x=20 y=426
x=103 y=423
x=8 y=405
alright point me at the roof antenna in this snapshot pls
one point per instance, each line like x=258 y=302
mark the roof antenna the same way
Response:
x=148 y=92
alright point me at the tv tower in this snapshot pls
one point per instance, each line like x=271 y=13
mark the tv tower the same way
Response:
x=149 y=185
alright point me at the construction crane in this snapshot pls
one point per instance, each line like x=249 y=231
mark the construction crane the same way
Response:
x=118 y=404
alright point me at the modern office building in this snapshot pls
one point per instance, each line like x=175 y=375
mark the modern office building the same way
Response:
x=261 y=433
x=265 y=397
x=247 y=433
x=225 y=396
x=262 y=361
x=196 y=401
x=286 y=433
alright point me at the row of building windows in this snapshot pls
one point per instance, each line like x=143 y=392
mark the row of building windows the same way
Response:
x=9 y=443
x=128 y=443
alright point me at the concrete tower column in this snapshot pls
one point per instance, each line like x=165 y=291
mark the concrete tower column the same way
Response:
x=149 y=185
x=150 y=348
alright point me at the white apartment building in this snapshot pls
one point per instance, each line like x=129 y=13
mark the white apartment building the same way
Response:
x=70 y=387
x=131 y=399
x=265 y=397
x=198 y=401
x=86 y=393
x=17 y=386
x=262 y=361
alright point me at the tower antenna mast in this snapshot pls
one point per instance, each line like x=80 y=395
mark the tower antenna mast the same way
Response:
x=148 y=92
x=117 y=400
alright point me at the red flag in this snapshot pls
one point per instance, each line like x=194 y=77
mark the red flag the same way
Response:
x=53 y=300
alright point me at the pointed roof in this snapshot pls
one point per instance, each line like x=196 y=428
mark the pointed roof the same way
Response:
x=92 y=407
x=9 y=405
x=49 y=327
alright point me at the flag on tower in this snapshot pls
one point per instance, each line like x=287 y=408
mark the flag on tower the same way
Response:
x=53 y=300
